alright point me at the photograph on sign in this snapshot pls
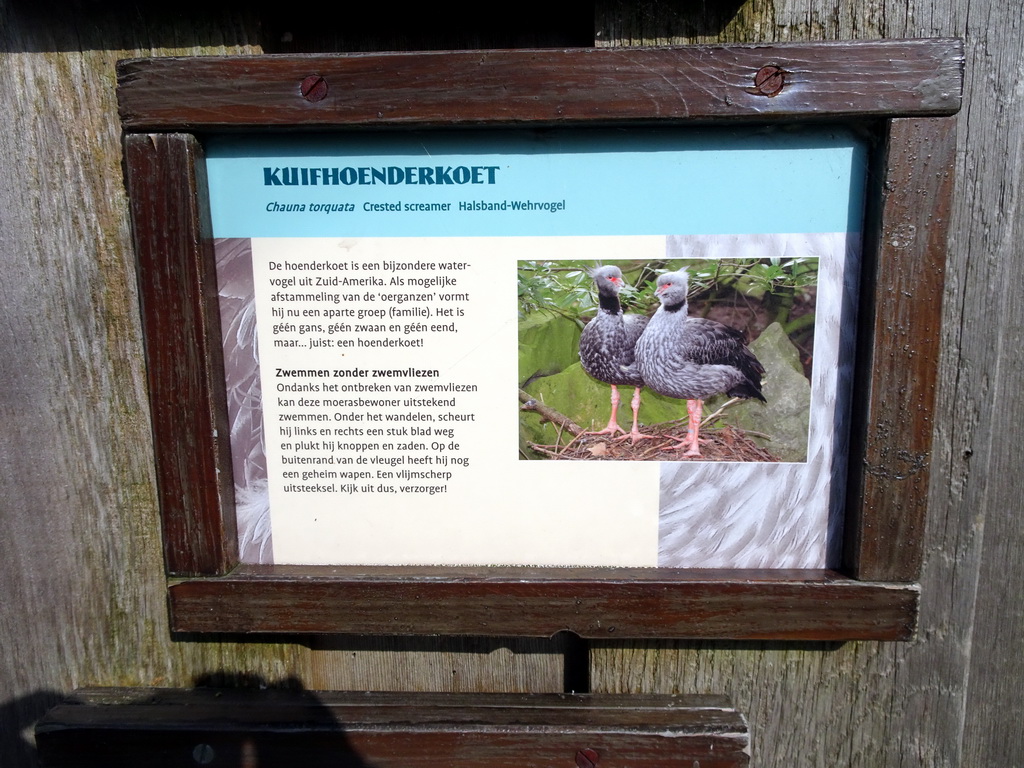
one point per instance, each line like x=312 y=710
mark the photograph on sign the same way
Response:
x=380 y=295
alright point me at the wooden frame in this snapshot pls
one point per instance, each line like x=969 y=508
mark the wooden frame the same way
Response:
x=121 y=726
x=907 y=91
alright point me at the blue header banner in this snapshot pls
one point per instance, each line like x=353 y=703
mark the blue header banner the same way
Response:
x=552 y=182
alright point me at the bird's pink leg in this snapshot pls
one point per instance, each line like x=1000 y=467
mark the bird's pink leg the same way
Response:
x=692 y=440
x=613 y=421
x=693 y=410
x=635 y=433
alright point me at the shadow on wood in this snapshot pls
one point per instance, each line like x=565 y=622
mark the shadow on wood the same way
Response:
x=286 y=727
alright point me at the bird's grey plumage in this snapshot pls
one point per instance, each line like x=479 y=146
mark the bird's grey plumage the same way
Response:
x=607 y=348
x=608 y=341
x=693 y=358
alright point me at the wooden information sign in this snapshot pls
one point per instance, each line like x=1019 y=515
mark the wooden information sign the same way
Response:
x=340 y=258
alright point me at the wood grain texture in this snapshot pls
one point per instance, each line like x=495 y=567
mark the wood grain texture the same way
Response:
x=82 y=582
x=979 y=557
x=166 y=182
x=592 y=603
x=83 y=591
x=906 y=263
x=506 y=87
x=121 y=727
x=83 y=600
x=944 y=699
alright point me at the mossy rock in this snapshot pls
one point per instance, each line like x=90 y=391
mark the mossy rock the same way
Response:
x=547 y=344
x=786 y=415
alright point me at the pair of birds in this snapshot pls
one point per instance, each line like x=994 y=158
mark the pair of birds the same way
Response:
x=684 y=357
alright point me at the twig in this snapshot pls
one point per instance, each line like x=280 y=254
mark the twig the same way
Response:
x=543 y=449
x=708 y=419
x=529 y=403
x=575 y=438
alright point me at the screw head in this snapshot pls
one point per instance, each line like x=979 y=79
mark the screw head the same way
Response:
x=313 y=88
x=770 y=80
x=203 y=754
x=587 y=758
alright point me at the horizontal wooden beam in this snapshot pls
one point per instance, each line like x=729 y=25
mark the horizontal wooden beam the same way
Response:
x=156 y=728
x=605 y=85
x=593 y=603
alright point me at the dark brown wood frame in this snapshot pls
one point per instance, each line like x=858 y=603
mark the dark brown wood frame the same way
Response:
x=907 y=91
x=117 y=727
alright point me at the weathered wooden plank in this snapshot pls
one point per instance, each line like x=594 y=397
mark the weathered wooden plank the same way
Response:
x=177 y=283
x=906 y=253
x=81 y=572
x=592 y=603
x=920 y=77
x=985 y=487
x=82 y=583
x=916 y=704
x=453 y=664
x=124 y=727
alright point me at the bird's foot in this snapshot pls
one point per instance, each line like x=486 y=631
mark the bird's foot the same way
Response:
x=688 y=442
x=636 y=435
x=611 y=429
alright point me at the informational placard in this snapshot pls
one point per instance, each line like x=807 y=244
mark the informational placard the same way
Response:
x=371 y=290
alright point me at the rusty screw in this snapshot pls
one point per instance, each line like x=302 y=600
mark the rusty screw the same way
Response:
x=770 y=80
x=587 y=758
x=313 y=88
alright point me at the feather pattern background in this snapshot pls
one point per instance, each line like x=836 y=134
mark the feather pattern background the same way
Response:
x=716 y=515
x=237 y=296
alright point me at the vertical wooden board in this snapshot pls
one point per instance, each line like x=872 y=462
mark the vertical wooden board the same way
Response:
x=985 y=384
x=809 y=705
x=873 y=704
x=177 y=282
x=80 y=574
x=625 y=22
x=81 y=569
x=892 y=429
x=84 y=598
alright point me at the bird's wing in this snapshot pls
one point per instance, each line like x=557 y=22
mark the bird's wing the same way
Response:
x=708 y=342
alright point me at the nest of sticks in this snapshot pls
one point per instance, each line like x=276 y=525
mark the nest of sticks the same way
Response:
x=573 y=444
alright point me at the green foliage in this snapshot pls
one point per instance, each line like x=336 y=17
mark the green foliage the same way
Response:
x=562 y=287
x=565 y=287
